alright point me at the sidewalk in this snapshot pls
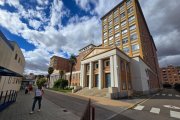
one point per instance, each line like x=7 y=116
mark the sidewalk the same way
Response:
x=21 y=108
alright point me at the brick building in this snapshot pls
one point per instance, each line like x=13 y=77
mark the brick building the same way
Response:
x=126 y=62
x=170 y=75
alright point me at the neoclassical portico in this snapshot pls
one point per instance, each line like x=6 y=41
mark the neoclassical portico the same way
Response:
x=102 y=68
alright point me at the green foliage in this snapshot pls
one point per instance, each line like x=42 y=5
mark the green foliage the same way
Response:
x=50 y=70
x=41 y=82
x=72 y=61
x=61 y=83
x=61 y=73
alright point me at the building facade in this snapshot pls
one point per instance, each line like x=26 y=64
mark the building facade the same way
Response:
x=170 y=75
x=126 y=62
x=125 y=27
x=12 y=64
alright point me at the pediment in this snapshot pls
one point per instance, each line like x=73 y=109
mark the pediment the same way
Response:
x=96 y=51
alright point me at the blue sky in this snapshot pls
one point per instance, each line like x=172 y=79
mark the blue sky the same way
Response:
x=44 y=28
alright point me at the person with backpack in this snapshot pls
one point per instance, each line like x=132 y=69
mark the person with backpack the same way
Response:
x=38 y=97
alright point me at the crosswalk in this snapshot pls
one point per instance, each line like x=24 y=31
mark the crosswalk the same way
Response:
x=154 y=110
x=170 y=95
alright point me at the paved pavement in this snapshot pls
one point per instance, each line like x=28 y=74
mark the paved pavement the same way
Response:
x=21 y=108
x=163 y=106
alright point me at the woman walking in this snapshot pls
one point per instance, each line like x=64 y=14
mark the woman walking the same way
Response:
x=38 y=97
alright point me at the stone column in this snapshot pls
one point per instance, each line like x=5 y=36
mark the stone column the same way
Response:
x=117 y=72
x=112 y=70
x=91 y=75
x=100 y=74
x=82 y=79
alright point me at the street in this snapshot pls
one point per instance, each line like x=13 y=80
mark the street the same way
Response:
x=162 y=106
x=76 y=105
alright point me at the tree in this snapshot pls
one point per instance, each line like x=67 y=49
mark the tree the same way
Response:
x=61 y=83
x=50 y=71
x=61 y=73
x=41 y=82
x=72 y=61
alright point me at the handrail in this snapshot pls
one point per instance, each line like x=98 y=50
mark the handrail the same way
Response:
x=7 y=98
x=89 y=113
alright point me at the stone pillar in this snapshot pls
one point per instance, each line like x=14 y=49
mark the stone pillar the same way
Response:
x=117 y=72
x=112 y=70
x=91 y=75
x=82 y=79
x=100 y=63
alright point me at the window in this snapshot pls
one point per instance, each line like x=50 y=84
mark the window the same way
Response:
x=133 y=37
x=111 y=40
x=118 y=43
x=116 y=13
x=16 y=56
x=131 y=18
x=116 y=27
x=130 y=87
x=122 y=15
x=126 y=50
x=116 y=20
x=130 y=10
x=110 y=23
x=124 y=31
x=135 y=47
x=128 y=2
x=105 y=34
x=105 y=27
x=110 y=17
x=123 y=23
x=105 y=41
x=132 y=27
x=124 y=40
x=117 y=35
x=19 y=60
x=121 y=8
x=105 y=20
x=96 y=65
x=110 y=31
x=106 y=63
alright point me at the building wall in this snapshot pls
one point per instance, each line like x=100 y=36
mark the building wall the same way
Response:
x=12 y=59
x=170 y=75
x=59 y=63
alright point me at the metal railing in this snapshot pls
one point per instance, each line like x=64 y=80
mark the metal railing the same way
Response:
x=7 y=98
x=89 y=113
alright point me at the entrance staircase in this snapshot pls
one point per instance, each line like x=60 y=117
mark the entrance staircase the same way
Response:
x=93 y=92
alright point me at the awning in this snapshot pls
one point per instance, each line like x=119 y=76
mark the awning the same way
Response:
x=7 y=72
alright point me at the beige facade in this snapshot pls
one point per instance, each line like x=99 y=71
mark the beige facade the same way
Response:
x=11 y=58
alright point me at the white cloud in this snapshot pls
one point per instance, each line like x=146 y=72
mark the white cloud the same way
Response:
x=35 y=24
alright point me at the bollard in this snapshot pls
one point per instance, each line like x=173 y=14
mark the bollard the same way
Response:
x=9 y=96
x=5 y=97
x=1 y=96
x=93 y=113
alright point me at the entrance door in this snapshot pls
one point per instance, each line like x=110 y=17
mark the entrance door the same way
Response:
x=96 y=81
x=107 y=80
x=87 y=81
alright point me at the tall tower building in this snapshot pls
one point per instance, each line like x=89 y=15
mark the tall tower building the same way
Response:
x=125 y=27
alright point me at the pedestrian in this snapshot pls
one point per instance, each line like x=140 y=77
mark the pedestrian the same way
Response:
x=38 y=97
x=30 y=88
x=26 y=90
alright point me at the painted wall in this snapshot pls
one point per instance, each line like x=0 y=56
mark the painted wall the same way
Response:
x=138 y=75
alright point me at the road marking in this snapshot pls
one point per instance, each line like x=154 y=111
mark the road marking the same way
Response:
x=171 y=106
x=174 y=114
x=163 y=94
x=155 y=110
x=177 y=95
x=157 y=94
x=139 y=107
x=169 y=94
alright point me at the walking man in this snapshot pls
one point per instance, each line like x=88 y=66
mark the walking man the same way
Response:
x=38 y=97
